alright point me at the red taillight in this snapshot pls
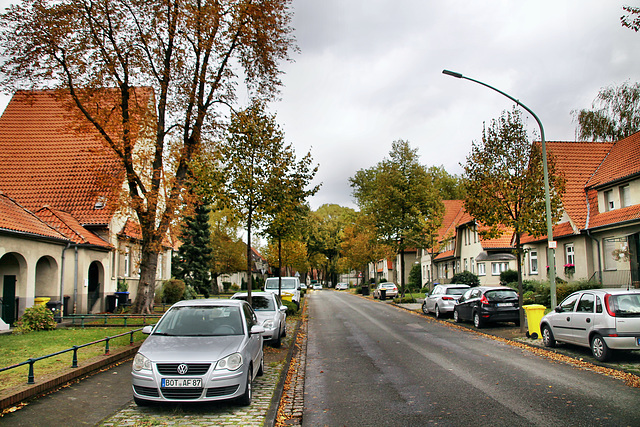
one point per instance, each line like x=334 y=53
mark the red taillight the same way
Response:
x=484 y=300
x=607 y=305
x=447 y=298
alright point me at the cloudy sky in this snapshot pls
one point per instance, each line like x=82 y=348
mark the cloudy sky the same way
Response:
x=370 y=72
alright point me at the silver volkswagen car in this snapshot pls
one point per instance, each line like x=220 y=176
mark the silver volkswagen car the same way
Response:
x=200 y=350
x=443 y=298
x=602 y=319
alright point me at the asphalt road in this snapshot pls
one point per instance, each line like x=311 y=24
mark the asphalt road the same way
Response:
x=370 y=364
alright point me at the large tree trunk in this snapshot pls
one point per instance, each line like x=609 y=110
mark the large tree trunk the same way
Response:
x=147 y=284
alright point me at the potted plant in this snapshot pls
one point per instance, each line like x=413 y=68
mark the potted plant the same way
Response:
x=569 y=270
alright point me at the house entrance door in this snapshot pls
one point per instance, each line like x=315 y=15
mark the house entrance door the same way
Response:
x=94 y=285
x=9 y=299
x=634 y=259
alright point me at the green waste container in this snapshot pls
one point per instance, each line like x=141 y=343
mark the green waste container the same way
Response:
x=41 y=301
x=534 y=313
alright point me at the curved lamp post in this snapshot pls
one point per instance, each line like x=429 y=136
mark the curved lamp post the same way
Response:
x=551 y=259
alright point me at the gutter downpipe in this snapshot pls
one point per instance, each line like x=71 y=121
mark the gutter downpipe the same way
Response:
x=62 y=279
x=594 y=239
x=75 y=282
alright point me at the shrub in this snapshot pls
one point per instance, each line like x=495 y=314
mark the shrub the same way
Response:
x=36 y=318
x=226 y=286
x=466 y=278
x=508 y=276
x=406 y=300
x=190 y=293
x=292 y=308
x=235 y=287
x=173 y=291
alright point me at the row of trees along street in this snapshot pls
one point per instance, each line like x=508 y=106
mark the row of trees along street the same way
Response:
x=218 y=168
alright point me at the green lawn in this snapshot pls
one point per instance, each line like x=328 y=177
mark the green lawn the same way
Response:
x=15 y=349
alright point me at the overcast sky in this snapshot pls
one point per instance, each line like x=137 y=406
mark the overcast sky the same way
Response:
x=370 y=72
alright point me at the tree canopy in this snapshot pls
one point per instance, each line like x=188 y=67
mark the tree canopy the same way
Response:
x=191 y=53
x=400 y=196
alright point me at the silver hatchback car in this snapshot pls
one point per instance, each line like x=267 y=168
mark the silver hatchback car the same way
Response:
x=200 y=350
x=602 y=319
x=271 y=312
x=443 y=298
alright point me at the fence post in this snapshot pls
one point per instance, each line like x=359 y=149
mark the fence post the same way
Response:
x=125 y=320
x=74 y=362
x=131 y=338
x=31 y=377
x=106 y=348
x=105 y=319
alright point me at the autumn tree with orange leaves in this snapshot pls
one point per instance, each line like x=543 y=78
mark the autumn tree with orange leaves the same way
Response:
x=193 y=54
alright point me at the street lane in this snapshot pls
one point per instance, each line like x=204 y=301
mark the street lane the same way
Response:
x=369 y=363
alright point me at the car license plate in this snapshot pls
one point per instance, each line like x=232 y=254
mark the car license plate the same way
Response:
x=181 y=383
x=505 y=304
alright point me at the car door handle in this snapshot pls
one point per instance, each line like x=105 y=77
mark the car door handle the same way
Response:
x=568 y=319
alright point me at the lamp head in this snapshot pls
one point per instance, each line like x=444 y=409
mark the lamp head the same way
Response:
x=452 y=74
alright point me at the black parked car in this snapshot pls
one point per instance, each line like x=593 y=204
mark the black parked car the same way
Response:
x=485 y=304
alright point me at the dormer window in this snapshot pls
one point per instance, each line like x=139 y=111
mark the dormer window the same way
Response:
x=625 y=196
x=100 y=203
x=608 y=200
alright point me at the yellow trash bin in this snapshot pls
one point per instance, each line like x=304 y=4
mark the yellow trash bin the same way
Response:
x=41 y=300
x=534 y=313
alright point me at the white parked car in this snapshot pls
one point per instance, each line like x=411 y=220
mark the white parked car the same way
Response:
x=289 y=290
x=601 y=319
x=200 y=350
x=342 y=287
x=271 y=312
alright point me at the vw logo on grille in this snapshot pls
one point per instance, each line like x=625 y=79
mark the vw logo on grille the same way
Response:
x=182 y=369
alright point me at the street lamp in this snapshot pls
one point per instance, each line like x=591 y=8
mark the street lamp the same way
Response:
x=551 y=245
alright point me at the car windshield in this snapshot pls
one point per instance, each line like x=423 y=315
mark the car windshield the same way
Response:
x=456 y=291
x=501 y=295
x=287 y=283
x=188 y=321
x=259 y=303
x=626 y=305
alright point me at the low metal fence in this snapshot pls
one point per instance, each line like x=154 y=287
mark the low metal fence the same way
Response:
x=82 y=319
x=74 y=349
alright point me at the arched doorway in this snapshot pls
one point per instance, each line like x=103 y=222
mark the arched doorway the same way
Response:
x=13 y=268
x=96 y=272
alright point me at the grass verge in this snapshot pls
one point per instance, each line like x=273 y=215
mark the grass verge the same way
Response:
x=19 y=348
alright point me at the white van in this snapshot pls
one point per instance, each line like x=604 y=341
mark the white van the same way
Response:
x=290 y=290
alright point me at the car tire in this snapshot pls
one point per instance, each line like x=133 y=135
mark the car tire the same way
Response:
x=477 y=320
x=424 y=308
x=245 y=399
x=261 y=367
x=456 y=316
x=284 y=330
x=547 y=337
x=599 y=348
x=142 y=402
x=278 y=341
x=437 y=312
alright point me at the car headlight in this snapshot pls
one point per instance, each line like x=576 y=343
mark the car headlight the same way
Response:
x=141 y=362
x=268 y=324
x=230 y=363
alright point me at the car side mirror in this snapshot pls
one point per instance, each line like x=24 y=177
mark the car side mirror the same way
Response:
x=558 y=309
x=299 y=288
x=147 y=329
x=283 y=308
x=257 y=329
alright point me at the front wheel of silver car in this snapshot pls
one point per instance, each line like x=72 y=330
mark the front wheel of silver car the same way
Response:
x=245 y=399
x=599 y=348
x=261 y=367
x=547 y=337
x=424 y=308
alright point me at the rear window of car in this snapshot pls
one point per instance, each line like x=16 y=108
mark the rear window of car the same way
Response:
x=626 y=305
x=456 y=291
x=259 y=303
x=287 y=283
x=501 y=295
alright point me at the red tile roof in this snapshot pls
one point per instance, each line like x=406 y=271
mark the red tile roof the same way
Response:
x=577 y=161
x=622 y=161
x=453 y=212
x=15 y=218
x=503 y=241
x=70 y=227
x=47 y=160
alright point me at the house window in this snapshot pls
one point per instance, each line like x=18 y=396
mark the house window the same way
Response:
x=608 y=200
x=609 y=247
x=625 y=196
x=481 y=270
x=127 y=262
x=498 y=267
x=533 y=262
x=473 y=267
x=466 y=265
x=569 y=252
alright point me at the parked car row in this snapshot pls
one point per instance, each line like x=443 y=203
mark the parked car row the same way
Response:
x=208 y=349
